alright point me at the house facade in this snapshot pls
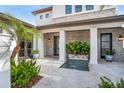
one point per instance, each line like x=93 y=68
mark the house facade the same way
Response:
x=61 y=24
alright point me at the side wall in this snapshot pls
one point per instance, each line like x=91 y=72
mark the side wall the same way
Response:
x=49 y=43
x=117 y=45
x=83 y=36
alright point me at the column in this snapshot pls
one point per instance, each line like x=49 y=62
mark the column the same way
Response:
x=93 y=46
x=41 y=45
x=62 y=46
x=38 y=44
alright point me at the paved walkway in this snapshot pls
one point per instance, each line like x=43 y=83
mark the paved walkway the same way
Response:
x=55 y=77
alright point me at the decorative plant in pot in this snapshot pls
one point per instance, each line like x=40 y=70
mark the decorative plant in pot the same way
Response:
x=35 y=53
x=109 y=55
x=78 y=50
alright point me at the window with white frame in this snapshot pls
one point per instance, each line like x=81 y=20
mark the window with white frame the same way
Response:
x=78 y=8
x=68 y=9
x=89 y=7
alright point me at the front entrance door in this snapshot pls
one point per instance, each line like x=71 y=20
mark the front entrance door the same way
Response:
x=106 y=43
x=56 y=45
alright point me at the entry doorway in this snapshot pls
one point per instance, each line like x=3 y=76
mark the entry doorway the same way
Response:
x=105 y=43
x=56 y=45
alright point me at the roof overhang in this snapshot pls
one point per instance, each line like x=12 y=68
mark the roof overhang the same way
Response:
x=42 y=10
x=3 y=17
x=117 y=18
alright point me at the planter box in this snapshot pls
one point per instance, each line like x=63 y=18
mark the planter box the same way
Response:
x=77 y=57
x=36 y=55
x=109 y=58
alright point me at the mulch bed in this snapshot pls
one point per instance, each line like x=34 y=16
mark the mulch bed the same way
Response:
x=33 y=81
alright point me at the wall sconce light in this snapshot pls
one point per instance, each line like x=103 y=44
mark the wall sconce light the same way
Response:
x=49 y=39
x=120 y=38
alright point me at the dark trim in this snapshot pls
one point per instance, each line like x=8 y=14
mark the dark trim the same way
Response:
x=101 y=43
x=54 y=46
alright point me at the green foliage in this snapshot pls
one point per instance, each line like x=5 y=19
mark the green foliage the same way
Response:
x=35 y=51
x=77 y=47
x=110 y=52
x=107 y=83
x=17 y=29
x=23 y=73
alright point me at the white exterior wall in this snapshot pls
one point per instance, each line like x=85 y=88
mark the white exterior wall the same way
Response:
x=5 y=54
x=59 y=10
x=44 y=21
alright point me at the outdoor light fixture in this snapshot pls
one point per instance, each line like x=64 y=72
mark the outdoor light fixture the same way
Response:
x=120 y=38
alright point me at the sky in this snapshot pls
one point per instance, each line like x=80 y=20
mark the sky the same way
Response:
x=23 y=12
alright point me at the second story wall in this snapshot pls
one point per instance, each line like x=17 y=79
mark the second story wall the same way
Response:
x=58 y=13
x=44 y=18
x=60 y=10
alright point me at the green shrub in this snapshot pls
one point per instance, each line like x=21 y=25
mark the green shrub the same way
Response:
x=78 y=48
x=35 y=51
x=23 y=73
x=110 y=52
x=107 y=83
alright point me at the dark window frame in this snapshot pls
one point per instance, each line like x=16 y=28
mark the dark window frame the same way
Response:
x=111 y=45
x=41 y=16
x=68 y=9
x=89 y=7
x=78 y=8
x=1 y=30
x=47 y=15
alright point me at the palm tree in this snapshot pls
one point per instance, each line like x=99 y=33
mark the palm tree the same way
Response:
x=17 y=30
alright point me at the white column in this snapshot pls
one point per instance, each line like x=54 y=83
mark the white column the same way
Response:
x=34 y=42
x=62 y=46
x=41 y=45
x=38 y=44
x=93 y=46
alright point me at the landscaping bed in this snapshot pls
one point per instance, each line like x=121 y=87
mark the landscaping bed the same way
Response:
x=25 y=74
x=33 y=81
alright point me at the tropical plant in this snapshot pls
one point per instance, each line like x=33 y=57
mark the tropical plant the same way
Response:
x=110 y=52
x=107 y=83
x=17 y=30
x=78 y=48
x=23 y=73
x=35 y=51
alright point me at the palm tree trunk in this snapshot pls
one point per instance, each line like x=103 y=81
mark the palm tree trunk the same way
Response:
x=15 y=51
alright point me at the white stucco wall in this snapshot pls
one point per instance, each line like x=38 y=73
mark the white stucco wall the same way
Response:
x=59 y=10
x=44 y=21
x=57 y=14
x=49 y=43
x=5 y=54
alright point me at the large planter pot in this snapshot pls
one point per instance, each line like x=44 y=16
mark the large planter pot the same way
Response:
x=77 y=57
x=109 y=58
x=35 y=55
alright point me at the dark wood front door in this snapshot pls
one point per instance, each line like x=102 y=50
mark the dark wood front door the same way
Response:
x=105 y=43
x=56 y=45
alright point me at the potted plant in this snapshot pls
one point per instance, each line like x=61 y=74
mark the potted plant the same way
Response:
x=109 y=55
x=35 y=53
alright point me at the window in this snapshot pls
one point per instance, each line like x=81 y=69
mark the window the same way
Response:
x=89 y=7
x=68 y=9
x=1 y=30
x=41 y=16
x=47 y=16
x=78 y=8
